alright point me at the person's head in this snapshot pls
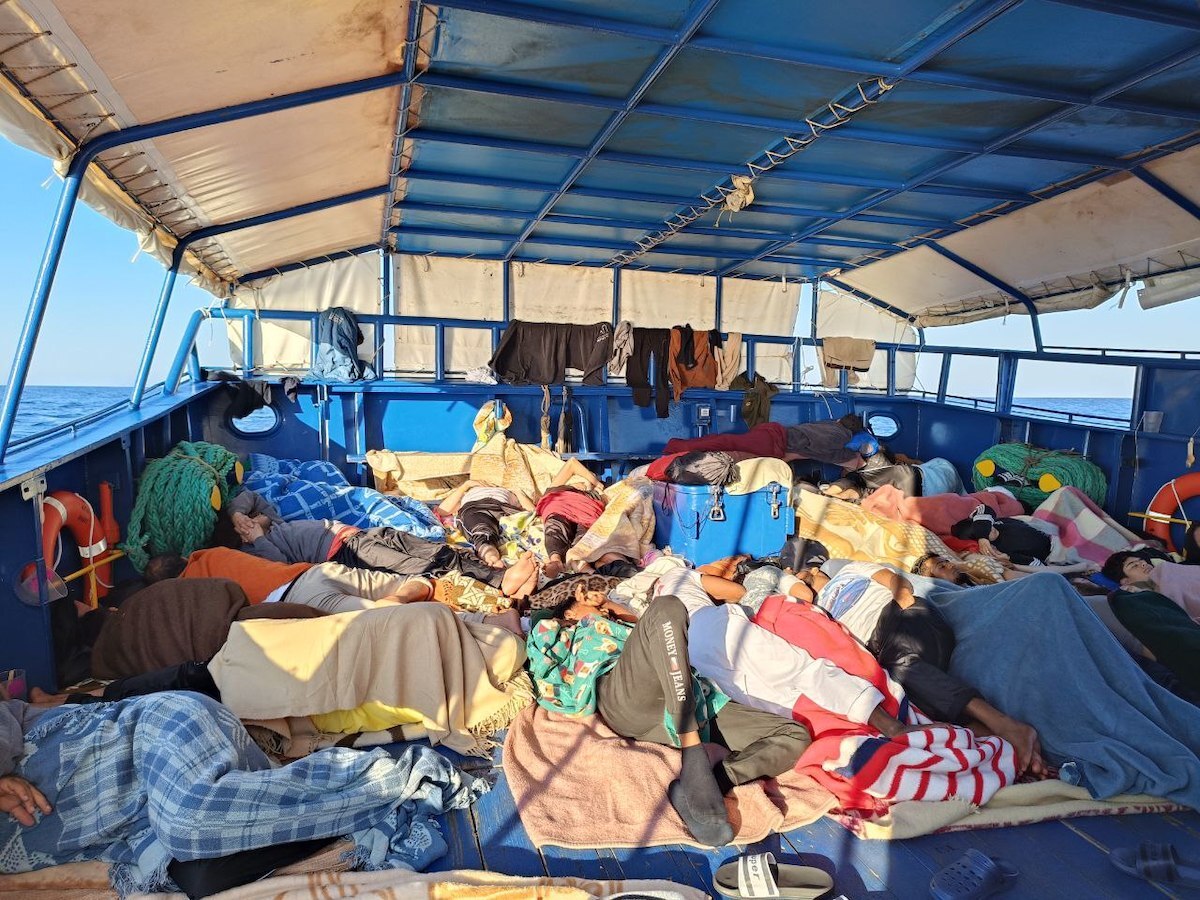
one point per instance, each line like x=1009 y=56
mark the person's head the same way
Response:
x=224 y=533
x=164 y=566
x=934 y=565
x=1127 y=567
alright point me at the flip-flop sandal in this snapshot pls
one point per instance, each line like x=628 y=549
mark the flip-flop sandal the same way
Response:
x=1157 y=862
x=758 y=875
x=974 y=875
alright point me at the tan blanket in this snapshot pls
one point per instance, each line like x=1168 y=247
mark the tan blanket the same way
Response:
x=851 y=532
x=419 y=656
x=625 y=527
x=1017 y=804
x=458 y=885
x=89 y=880
x=433 y=476
x=577 y=784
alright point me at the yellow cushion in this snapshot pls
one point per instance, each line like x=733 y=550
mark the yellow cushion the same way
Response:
x=371 y=716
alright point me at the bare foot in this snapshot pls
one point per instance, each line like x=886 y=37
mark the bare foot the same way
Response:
x=517 y=575
x=38 y=697
x=491 y=556
x=553 y=568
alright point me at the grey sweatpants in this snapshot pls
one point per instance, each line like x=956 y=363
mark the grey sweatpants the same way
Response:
x=334 y=588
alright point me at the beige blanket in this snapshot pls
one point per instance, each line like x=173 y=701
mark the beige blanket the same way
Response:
x=433 y=476
x=419 y=656
x=1017 y=804
x=626 y=526
x=458 y=885
x=89 y=880
x=850 y=532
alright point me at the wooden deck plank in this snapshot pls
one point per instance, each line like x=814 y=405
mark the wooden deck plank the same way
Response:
x=505 y=845
x=586 y=863
x=1054 y=861
x=876 y=869
x=458 y=827
x=674 y=862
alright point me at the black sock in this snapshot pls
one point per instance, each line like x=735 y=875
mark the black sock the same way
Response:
x=698 y=800
x=724 y=782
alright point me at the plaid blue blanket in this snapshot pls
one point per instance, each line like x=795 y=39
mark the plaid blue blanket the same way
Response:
x=304 y=469
x=296 y=497
x=175 y=776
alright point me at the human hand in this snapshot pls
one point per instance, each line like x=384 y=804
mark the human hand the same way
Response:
x=20 y=799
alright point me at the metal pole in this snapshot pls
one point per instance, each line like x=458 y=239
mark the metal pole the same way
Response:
x=183 y=355
x=160 y=316
x=36 y=310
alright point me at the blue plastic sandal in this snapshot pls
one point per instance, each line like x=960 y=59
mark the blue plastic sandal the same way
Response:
x=974 y=875
x=1158 y=863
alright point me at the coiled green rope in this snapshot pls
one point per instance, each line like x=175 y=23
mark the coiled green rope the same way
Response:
x=174 y=510
x=1030 y=463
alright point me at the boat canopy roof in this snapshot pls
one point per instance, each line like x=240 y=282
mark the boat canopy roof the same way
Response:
x=949 y=159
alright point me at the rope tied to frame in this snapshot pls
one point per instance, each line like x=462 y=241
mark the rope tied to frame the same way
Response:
x=178 y=499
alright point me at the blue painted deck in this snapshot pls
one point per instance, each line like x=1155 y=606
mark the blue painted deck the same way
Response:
x=1063 y=859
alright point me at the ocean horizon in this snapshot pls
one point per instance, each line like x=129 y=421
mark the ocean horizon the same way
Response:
x=45 y=406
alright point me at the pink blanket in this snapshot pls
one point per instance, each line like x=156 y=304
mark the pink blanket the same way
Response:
x=1084 y=525
x=940 y=511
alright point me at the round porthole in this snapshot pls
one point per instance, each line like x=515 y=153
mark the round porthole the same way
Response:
x=258 y=423
x=883 y=426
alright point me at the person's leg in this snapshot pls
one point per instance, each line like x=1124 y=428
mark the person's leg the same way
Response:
x=188 y=676
x=763 y=744
x=1166 y=630
x=391 y=550
x=648 y=696
x=334 y=588
x=559 y=537
x=481 y=524
x=205 y=877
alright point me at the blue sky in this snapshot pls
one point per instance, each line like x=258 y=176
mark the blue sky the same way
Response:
x=96 y=324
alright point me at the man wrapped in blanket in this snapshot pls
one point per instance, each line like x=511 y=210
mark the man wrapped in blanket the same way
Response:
x=170 y=790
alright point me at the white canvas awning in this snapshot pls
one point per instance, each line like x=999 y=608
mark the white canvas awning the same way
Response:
x=1072 y=251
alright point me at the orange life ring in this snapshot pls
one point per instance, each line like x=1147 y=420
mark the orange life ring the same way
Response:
x=65 y=509
x=1168 y=500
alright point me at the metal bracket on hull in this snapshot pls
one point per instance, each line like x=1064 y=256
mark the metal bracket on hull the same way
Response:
x=33 y=487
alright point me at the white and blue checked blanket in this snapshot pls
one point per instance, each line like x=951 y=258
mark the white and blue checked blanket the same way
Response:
x=317 y=490
x=175 y=776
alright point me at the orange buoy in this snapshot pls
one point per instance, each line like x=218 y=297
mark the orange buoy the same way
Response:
x=1167 y=501
x=64 y=509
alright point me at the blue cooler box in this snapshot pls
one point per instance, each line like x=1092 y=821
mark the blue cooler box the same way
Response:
x=703 y=523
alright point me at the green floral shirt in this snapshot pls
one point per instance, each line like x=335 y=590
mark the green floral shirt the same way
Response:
x=566 y=660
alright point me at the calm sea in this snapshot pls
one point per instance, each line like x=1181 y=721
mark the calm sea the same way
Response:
x=44 y=407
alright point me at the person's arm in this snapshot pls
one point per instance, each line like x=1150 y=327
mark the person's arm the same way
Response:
x=525 y=500
x=619 y=612
x=722 y=590
x=900 y=589
x=573 y=468
x=888 y=726
x=253 y=506
x=450 y=505
x=264 y=549
x=1022 y=736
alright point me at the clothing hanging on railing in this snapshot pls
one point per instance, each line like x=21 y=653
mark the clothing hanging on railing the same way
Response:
x=691 y=360
x=541 y=352
x=650 y=344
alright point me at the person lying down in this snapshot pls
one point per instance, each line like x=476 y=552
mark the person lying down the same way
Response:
x=590 y=655
x=170 y=790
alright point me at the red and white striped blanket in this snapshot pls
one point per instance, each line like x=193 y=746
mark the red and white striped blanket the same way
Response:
x=865 y=770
